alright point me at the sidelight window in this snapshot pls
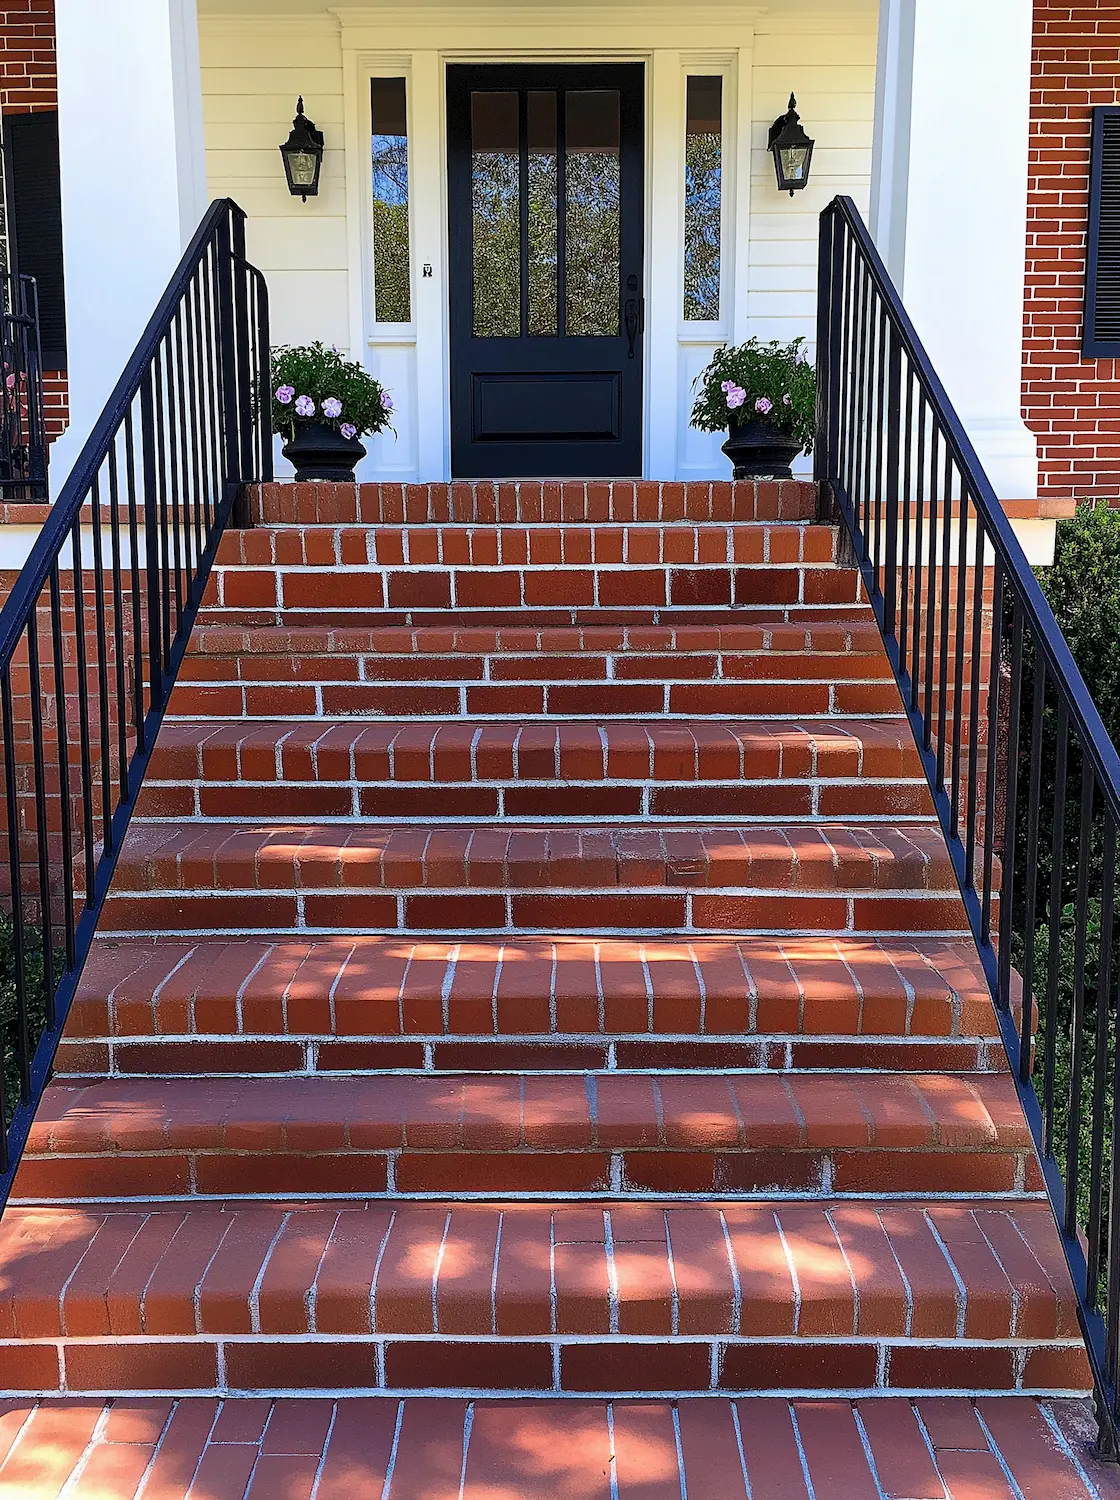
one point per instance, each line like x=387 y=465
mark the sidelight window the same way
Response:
x=392 y=276
x=703 y=199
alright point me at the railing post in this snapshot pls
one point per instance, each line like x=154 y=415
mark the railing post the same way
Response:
x=891 y=498
x=822 y=451
x=227 y=349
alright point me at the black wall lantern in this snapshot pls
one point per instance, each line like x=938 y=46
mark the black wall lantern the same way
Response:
x=793 y=150
x=303 y=156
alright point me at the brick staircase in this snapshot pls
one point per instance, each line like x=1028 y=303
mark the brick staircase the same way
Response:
x=535 y=970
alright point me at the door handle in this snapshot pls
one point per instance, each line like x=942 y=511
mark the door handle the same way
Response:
x=634 y=319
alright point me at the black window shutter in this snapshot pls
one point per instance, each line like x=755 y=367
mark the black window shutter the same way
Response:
x=31 y=156
x=1101 y=338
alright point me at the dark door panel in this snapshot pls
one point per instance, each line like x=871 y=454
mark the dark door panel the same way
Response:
x=546 y=207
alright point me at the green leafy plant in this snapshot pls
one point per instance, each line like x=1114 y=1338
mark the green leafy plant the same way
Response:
x=35 y=1001
x=758 y=381
x=313 y=383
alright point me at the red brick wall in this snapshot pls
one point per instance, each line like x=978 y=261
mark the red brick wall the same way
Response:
x=1073 y=405
x=29 y=81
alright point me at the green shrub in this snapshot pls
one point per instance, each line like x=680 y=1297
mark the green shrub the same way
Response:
x=757 y=380
x=36 y=996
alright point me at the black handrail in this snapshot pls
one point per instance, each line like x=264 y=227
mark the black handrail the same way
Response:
x=23 y=430
x=1009 y=738
x=94 y=631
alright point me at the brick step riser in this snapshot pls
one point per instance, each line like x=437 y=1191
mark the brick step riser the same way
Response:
x=736 y=544
x=329 y=1054
x=533 y=503
x=477 y=1366
x=635 y=802
x=694 y=587
x=564 y=701
x=534 y=913
x=509 y=1172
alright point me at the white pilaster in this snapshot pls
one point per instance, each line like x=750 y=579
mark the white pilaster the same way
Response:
x=133 y=177
x=949 y=206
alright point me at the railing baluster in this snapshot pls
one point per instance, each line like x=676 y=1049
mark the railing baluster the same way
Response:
x=1030 y=862
x=1077 y=1009
x=1095 y=1225
x=1054 y=921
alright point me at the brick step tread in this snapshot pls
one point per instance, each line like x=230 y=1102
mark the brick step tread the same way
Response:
x=657 y=770
x=446 y=1448
x=534 y=501
x=447 y=587
x=511 y=1111
x=611 y=1134
x=567 y=617
x=720 y=989
x=530 y=638
x=813 y=666
x=965 y=1274
x=535 y=699
x=160 y=857
x=558 y=544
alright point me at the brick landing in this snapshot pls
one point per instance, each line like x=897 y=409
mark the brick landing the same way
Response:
x=948 y=1449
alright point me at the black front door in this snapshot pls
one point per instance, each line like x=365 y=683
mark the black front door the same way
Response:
x=546 y=213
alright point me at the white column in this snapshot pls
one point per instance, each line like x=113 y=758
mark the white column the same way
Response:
x=949 y=206
x=133 y=175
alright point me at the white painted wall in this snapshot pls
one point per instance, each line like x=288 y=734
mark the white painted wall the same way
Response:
x=949 y=210
x=133 y=183
x=317 y=255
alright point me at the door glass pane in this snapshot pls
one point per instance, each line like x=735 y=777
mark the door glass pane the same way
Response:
x=703 y=199
x=543 y=228
x=496 y=196
x=593 y=220
x=391 y=273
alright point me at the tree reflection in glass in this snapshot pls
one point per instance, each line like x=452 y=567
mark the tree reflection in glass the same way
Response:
x=703 y=199
x=496 y=202
x=391 y=261
x=593 y=211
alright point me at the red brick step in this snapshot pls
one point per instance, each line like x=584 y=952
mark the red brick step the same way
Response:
x=286 y=1005
x=942 y=1448
x=794 y=1134
x=530 y=502
x=787 y=1298
x=652 y=771
x=824 y=878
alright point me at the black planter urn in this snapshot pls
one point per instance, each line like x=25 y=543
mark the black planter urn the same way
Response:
x=321 y=452
x=759 y=451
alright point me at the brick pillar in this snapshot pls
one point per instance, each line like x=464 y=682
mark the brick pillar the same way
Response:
x=1072 y=404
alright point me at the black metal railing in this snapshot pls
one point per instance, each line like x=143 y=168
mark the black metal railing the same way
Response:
x=94 y=630
x=23 y=433
x=1025 y=778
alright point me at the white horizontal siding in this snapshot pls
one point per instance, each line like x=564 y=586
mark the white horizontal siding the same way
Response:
x=831 y=68
x=251 y=78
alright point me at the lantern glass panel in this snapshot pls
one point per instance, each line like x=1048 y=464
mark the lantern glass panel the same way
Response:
x=794 y=161
x=301 y=164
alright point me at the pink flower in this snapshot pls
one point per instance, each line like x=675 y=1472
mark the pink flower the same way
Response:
x=787 y=399
x=736 y=396
x=11 y=382
x=386 y=401
x=348 y=430
x=305 y=407
x=764 y=406
x=284 y=394
x=332 y=407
